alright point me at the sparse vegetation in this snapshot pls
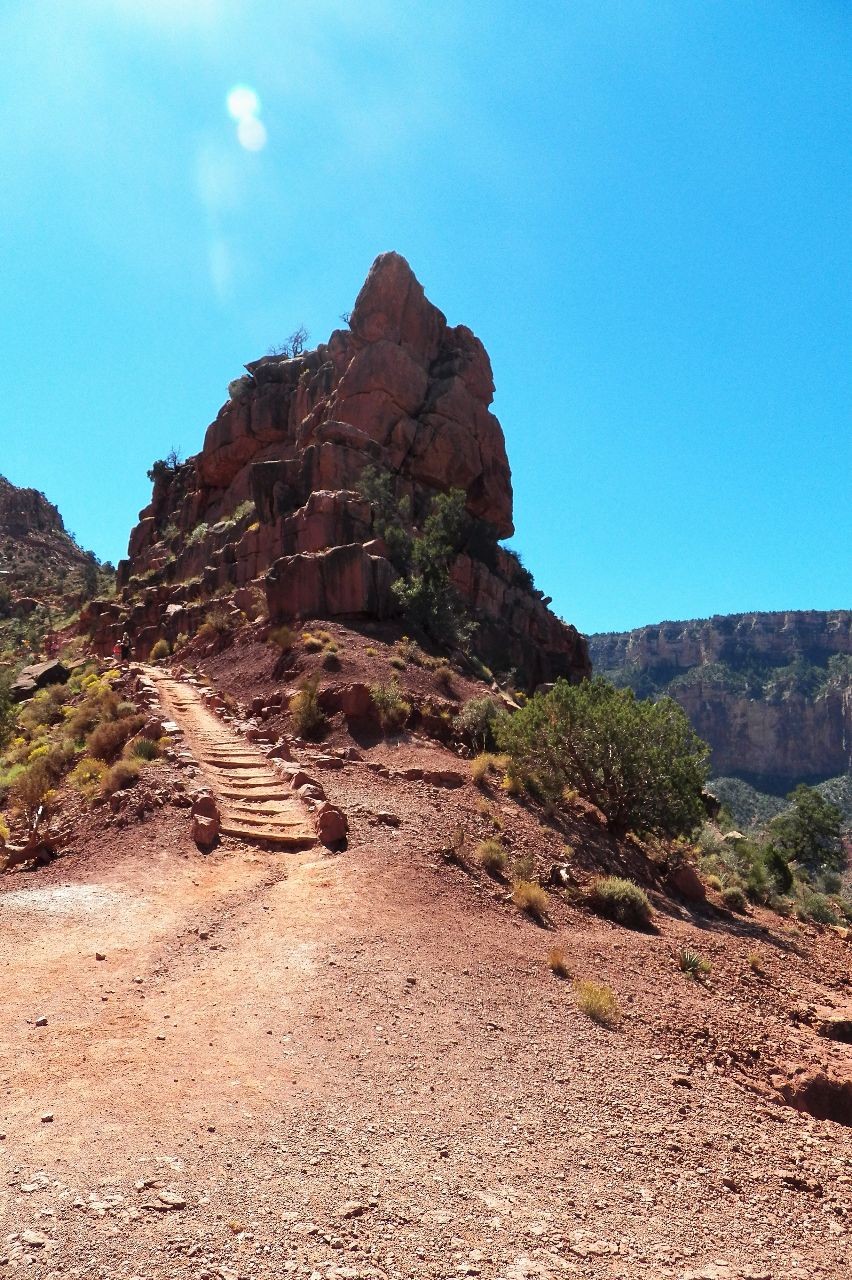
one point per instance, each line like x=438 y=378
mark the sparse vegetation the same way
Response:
x=283 y=638
x=755 y=963
x=87 y=776
x=598 y=1002
x=734 y=898
x=622 y=901
x=159 y=650
x=392 y=707
x=691 y=963
x=557 y=962
x=218 y=625
x=198 y=534
x=108 y=738
x=122 y=774
x=308 y=718
x=482 y=765
x=476 y=722
x=531 y=899
x=491 y=856
x=144 y=749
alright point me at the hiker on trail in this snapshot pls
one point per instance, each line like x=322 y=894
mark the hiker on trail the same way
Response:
x=125 y=647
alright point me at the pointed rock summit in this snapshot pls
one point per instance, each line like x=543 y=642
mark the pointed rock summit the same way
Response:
x=274 y=497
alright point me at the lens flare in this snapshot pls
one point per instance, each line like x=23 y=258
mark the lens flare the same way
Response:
x=242 y=103
x=251 y=134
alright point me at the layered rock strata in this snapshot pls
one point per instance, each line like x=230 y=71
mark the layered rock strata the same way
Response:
x=759 y=687
x=273 y=498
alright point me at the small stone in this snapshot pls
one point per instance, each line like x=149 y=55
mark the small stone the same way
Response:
x=99 y=955
x=41 y=1022
x=352 y=1209
x=683 y=1082
x=161 y=1036
x=170 y=1200
x=730 y=1183
x=47 y=1117
x=34 y=1239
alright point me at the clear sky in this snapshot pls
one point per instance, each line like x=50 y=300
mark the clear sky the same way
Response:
x=642 y=207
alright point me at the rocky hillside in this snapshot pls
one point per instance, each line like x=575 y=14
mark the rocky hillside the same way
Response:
x=44 y=574
x=276 y=497
x=770 y=692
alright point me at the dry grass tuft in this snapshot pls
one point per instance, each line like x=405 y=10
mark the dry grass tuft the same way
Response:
x=283 y=638
x=532 y=899
x=598 y=1002
x=491 y=856
x=557 y=962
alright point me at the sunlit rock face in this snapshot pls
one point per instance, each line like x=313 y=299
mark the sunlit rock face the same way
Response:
x=761 y=688
x=279 y=473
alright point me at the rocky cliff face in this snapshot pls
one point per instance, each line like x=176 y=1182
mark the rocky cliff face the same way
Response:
x=274 y=496
x=36 y=553
x=770 y=692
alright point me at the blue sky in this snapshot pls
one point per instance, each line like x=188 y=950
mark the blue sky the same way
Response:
x=640 y=206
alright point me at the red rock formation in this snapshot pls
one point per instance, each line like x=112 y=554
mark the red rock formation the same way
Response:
x=273 y=495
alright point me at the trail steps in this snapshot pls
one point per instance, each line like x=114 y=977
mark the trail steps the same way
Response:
x=255 y=803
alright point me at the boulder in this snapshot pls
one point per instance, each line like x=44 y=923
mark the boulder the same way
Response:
x=354 y=700
x=332 y=824
x=205 y=831
x=685 y=880
x=205 y=817
x=36 y=677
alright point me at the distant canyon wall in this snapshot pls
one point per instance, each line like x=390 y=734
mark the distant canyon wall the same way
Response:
x=770 y=692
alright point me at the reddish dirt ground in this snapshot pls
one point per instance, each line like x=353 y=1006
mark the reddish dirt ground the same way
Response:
x=360 y=1065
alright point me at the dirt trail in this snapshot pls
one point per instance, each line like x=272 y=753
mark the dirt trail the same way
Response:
x=255 y=803
x=359 y=1067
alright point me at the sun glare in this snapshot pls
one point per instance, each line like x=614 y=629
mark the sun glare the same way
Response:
x=243 y=105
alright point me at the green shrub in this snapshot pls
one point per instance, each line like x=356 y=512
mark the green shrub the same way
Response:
x=491 y=856
x=87 y=776
x=392 y=708
x=639 y=762
x=816 y=907
x=734 y=898
x=199 y=533
x=30 y=788
x=309 y=719
x=244 y=509
x=476 y=722
x=622 y=901
x=809 y=833
x=160 y=650
x=598 y=1002
x=144 y=749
